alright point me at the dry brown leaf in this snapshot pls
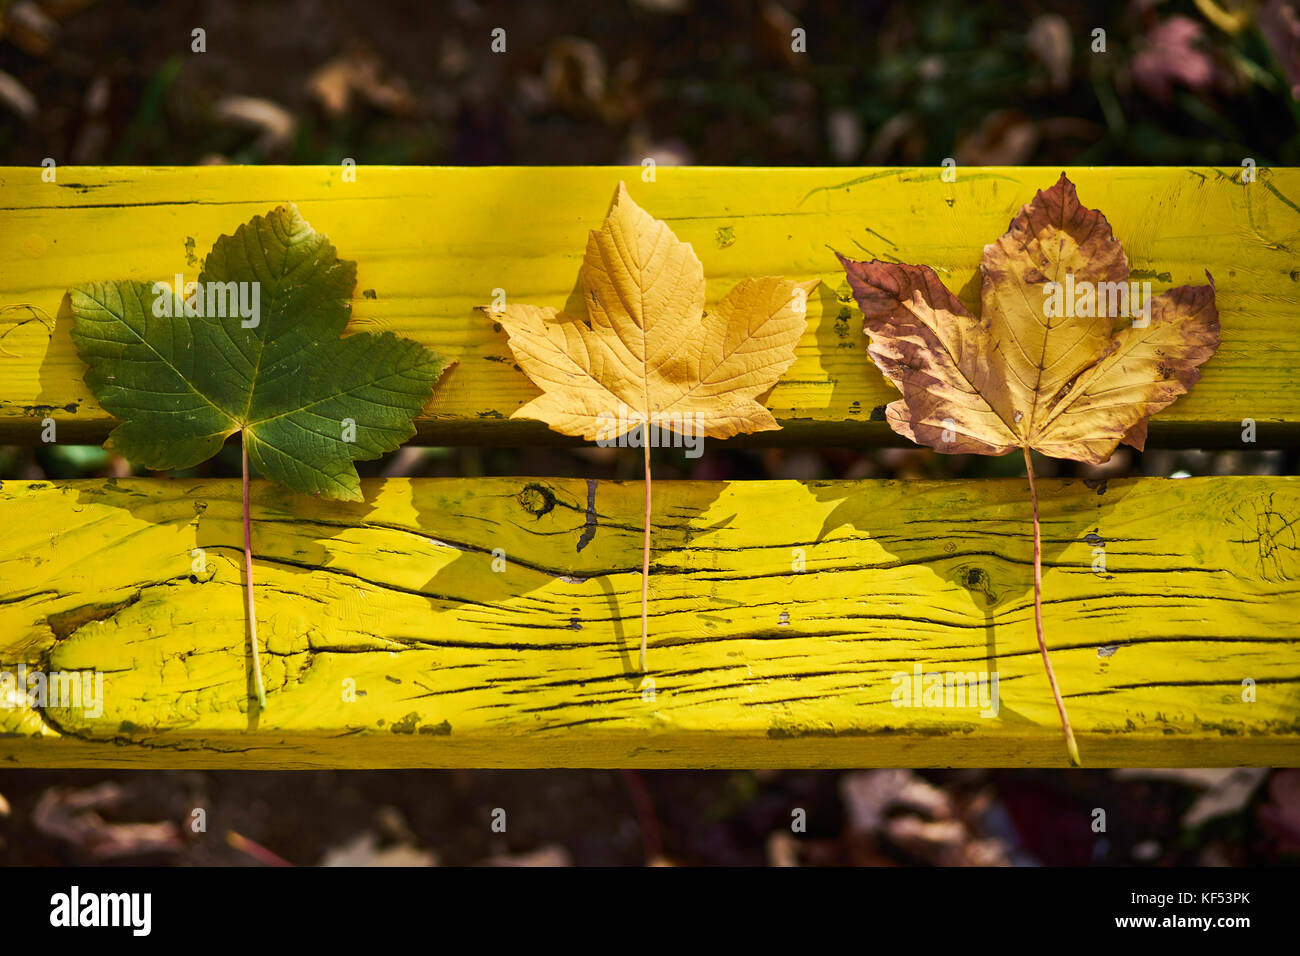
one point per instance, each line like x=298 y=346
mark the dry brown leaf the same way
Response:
x=1226 y=790
x=1034 y=371
x=364 y=850
x=359 y=72
x=1069 y=387
x=573 y=75
x=275 y=124
x=781 y=849
x=1174 y=54
x=1048 y=39
x=1005 y=138
x=30 y=28
x=71 y=815
x=648 y=351
x=17 y=97
x=869 y=796
x=549 y=855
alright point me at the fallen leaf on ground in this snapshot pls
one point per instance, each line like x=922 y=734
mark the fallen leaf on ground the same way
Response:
x=550 y=855
x=364 y=850
x=902 y=810
x=359 y=73
x=1048 y=39
x=870 y=795
x=17 y=97
x=1226 y=790
x=781 y=849
x=573 y=75
x=273 y=121
x=29 y=27
x=1173 y=54
x=70 y=815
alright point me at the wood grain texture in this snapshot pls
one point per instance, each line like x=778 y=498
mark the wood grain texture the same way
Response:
x=755 y=663
x=432 y=243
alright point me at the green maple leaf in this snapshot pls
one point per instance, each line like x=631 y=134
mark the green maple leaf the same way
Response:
x=184 y=384
x=306 y=401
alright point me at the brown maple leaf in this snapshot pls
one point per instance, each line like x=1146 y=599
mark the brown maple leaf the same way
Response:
x=647 y=352
x=1067 y=358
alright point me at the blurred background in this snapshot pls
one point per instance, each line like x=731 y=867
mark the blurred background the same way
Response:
x=685 y=82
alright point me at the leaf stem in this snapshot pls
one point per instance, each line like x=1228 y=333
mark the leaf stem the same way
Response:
x=645 y=550
x=248 y=578
x=1070 y=745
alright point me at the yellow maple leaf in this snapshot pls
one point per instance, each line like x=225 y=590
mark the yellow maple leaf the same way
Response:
x=648 y=352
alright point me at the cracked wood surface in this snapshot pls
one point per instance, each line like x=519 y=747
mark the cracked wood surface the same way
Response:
x=755 y=663
x=432 y=243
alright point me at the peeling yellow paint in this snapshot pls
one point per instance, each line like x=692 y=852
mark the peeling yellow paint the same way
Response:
x=433 y=243
x=754 y=664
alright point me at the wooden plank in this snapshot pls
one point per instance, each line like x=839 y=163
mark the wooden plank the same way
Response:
x=755 y=663
x=434 y=242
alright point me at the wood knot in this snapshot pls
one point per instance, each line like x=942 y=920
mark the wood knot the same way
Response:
x=537 y=499
x=976 y=580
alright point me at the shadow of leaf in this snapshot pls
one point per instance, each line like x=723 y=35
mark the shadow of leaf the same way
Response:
x=956 y=531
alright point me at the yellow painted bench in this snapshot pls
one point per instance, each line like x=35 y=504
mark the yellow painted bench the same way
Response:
x=784 y=614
